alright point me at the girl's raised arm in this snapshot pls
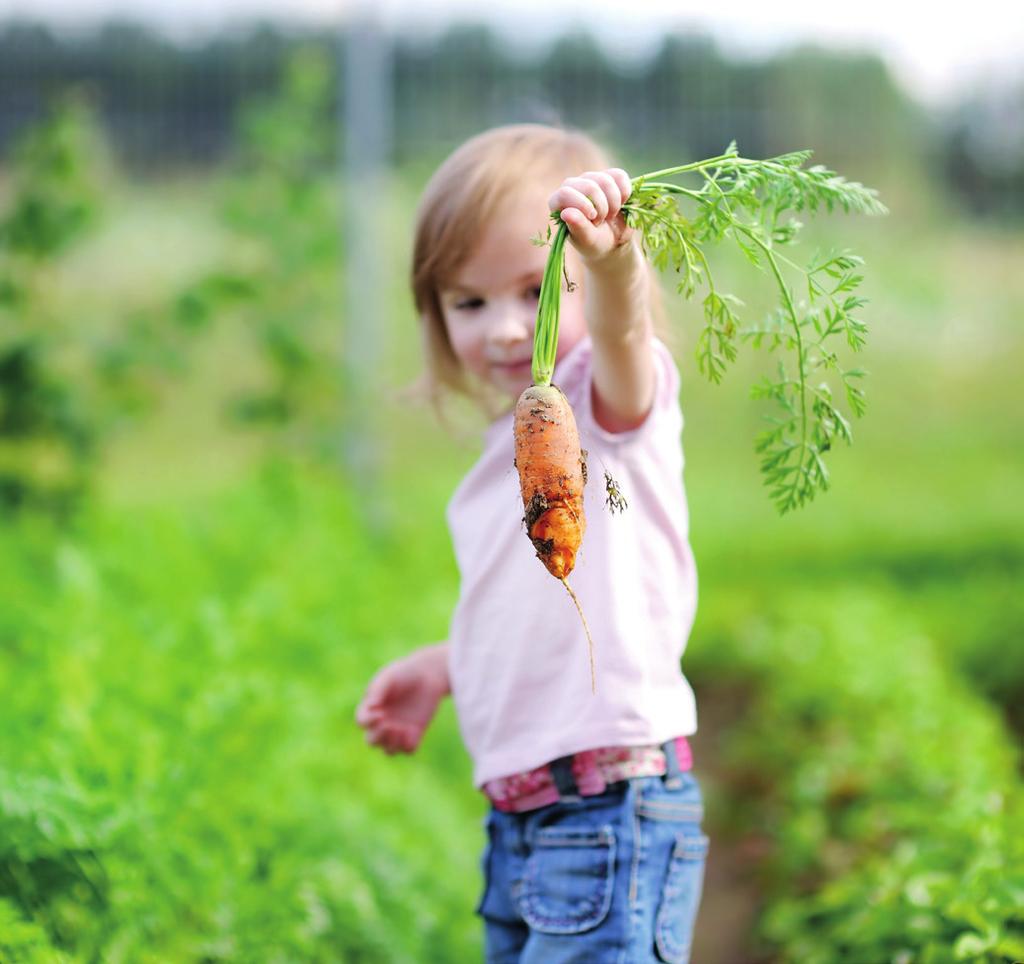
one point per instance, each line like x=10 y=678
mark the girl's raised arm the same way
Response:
x=616 y=290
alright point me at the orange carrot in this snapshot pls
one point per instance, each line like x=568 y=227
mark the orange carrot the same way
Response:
x=552 y=473
x=551 y=476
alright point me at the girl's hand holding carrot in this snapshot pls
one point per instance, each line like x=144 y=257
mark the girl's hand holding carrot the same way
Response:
x=590 y=206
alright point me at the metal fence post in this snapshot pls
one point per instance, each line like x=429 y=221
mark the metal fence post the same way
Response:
x=366 y=119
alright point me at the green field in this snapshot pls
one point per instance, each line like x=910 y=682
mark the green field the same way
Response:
x=183 y=779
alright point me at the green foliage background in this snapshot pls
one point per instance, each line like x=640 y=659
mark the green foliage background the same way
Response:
x=181 y=655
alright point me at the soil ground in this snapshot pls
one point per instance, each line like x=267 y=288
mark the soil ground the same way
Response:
x=731 y=903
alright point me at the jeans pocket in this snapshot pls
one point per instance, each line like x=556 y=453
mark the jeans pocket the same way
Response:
x=680 y=898
x=683 y=803
x=568 y=881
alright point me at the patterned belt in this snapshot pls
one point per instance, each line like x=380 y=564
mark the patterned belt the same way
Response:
x=592 y=771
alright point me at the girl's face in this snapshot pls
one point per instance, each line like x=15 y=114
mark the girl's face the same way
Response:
x=491 y=307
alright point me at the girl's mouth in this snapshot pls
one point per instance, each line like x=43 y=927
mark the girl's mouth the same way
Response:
x=514 y=367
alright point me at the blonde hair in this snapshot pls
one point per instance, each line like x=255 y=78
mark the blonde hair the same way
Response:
x=464 y=193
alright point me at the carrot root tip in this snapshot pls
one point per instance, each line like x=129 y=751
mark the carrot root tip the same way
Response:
x=586 y=629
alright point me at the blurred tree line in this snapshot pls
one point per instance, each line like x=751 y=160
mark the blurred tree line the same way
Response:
x=170 y=105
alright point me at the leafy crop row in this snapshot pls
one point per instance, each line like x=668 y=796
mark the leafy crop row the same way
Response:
x=182 y=779
x=888 y=789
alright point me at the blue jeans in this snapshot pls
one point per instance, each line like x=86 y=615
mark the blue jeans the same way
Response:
x=614 y=878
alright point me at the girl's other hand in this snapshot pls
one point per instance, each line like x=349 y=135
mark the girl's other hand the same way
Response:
x=590 y=205
x=402 y=698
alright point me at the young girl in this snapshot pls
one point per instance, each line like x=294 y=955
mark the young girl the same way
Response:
x=594 y=851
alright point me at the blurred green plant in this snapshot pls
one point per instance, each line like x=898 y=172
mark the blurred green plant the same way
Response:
x=65 y=386
x=47 y=440
x=888 y=790
x=281 y=280
x=182 y=777
x=22 y=942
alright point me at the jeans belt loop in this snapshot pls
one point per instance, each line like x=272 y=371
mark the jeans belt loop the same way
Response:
x=673 y=778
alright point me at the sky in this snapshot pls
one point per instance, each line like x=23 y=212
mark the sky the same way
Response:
x=936 y=57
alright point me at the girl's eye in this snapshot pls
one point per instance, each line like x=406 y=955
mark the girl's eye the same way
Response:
x=535 y=292
x=469 y=304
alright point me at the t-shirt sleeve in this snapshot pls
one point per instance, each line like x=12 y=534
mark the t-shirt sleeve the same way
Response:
x=664 y=416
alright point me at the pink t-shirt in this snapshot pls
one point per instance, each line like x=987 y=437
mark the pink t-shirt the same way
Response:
x=518 y=659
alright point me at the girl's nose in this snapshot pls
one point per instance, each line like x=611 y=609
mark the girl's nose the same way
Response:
x=510 y=327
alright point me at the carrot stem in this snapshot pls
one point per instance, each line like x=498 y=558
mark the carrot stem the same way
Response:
x=545 y=335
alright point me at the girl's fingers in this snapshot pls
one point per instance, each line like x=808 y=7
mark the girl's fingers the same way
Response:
x=598 y=194
x=580 y=228
x=407 y=740
x=610 y=187
x=593 y=190
x=400 y=739
x=570 y=197
x=382 y=737
x=393 y=737
x=368 y=716
x=622 y=181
